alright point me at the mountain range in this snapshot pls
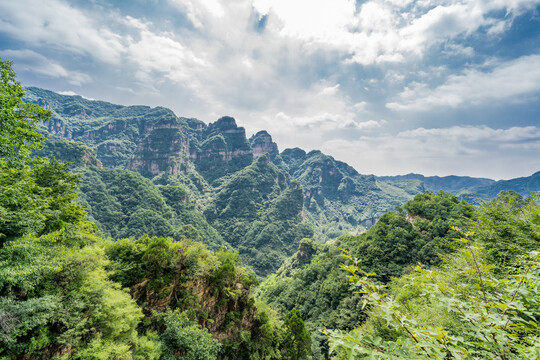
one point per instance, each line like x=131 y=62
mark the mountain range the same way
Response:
x=146 y=170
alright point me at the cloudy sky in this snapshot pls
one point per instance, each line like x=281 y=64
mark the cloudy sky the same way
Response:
x=389 y=86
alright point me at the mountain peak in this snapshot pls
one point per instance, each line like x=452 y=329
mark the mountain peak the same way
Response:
x=262 y=143
x=224 y=123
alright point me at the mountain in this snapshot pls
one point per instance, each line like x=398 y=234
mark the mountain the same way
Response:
x=161 y=173
x=337 y=198
x=123 y=203
x=185 y=151
x=260 y=213
x=524 y=185
x=450 y=183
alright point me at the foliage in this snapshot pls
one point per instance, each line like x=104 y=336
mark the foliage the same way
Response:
x=56 y=295
x=56 y=298
x=474 y=305
x=311 y=281
x=260 y=213
x=208 y=287
x=75 y=153
x=125 y=204
x=297 y=338
x=185 y=339
x=17 y=118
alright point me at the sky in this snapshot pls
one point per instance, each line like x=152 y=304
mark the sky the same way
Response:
x=389 y=86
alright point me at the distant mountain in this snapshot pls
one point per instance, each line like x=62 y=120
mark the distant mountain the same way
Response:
x=452 y=183
x=474 y=190
x=524 y=185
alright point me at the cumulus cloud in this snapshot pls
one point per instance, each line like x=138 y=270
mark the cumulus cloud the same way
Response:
x=378 y=31
x=312 y=73
x=461 y=150
x=28 y=60
x=198 y=11
x=56 y=24
x=161 y=53
x=504 y=82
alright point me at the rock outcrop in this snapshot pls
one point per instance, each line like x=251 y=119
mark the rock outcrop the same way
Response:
x=262 y=143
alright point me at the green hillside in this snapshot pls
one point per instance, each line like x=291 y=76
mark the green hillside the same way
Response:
x=339 y=200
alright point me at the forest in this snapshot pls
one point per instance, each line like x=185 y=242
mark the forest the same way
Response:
x=141 y=243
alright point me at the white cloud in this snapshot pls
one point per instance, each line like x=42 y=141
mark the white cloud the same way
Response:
x=56 y=24
x=382 y=31
x=505 y=82
x=28 y=60
x=461 y=150
x=73 y=93
x=198 y=11
x=161 y=53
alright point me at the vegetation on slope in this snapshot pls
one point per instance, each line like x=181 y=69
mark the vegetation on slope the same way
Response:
x=481 y=302
x=338 y=200
x=123 y=203
x=312 y=281
x=260 y=213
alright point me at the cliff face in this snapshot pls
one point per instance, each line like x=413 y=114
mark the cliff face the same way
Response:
x=219 y=148
x=164 y=148
x=148 y=140
x=262 y=143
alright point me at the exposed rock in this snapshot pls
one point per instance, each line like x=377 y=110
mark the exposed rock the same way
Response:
x=262 y=143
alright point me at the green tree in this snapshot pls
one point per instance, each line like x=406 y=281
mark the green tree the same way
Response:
x=18 y=136
x=186 y=340
x=297 y=337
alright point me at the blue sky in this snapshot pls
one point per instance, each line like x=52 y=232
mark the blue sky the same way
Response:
x=389 y=86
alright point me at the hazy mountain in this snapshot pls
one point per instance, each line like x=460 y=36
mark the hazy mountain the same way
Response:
x=450 y=183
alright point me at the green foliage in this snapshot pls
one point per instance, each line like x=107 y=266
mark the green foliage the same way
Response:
x=36 y=200
x=125 y=204
x=506 y=228
x=208 y=287
x=297 y=337
x=401 y=239
x=18 y=119
x=475 y=305
x=56 y=299
x=185 y=339
x=56 y=295
x=311 y=281
x=75 y=153
x=258 y=212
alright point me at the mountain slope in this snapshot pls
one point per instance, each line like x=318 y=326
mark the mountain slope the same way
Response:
x=337 y=198
x=125 y=204
x=260 y=213
x=524 y=185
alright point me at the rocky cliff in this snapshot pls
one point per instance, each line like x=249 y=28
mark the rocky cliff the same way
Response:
x=262 y=143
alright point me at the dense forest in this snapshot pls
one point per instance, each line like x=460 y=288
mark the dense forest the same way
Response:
x=130 y=233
